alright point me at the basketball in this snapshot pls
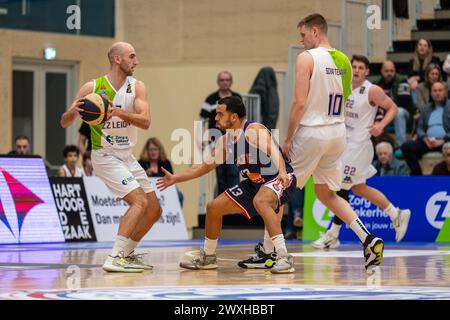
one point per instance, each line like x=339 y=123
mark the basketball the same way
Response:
x=95 y=109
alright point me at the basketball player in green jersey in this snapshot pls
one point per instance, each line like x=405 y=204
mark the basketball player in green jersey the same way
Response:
x=316 y=134
x=112 y=157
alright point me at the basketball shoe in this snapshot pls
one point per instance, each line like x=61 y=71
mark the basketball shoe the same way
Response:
x=401 y=224
x=202 y=261
x=326 y=240
x=373 y=252
x=260 y=260
x=137 y=259
x=120 y=264
x=284 y=264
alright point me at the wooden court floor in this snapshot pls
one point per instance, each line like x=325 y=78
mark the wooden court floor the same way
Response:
x=73 y=271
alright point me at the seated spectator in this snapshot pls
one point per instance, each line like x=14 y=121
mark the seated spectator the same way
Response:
x=433 y=129
x=153 y=158
x=22 y=146
x=446 y=69
x=432 y=74
x=396 y=87
x=443 y=168
x=387 y=164
x=88 y=170
x=423 y=56
x=70 y=169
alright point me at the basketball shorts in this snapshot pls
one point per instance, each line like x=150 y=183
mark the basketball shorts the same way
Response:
x=317 y=151
x=120 y=171
x=357 y=164
x=243 y=193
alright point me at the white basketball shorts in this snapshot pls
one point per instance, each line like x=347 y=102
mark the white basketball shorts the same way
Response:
x=120 y=171
x=357 y=164
x=317 y=151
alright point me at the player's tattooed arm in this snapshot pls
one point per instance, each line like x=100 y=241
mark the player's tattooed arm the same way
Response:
x=72 y=113
x=212 y=160
x=260 y=137
x=304 y=67
x=141 y=117
x=378 y=98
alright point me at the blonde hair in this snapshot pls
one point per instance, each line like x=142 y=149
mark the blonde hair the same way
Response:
x=430 y=68
x=426 y=61
x=162 y=153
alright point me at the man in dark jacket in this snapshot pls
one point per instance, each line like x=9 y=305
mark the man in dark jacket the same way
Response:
x=265 y=85
x=397 y=88
x=433 y=129
x=387 y=164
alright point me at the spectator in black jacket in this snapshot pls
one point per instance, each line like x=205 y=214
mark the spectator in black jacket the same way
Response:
x=433 y=129
x=153 y=157
x=22 y=146
x=396 y=87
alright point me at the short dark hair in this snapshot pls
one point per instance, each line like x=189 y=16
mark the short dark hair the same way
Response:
x=71 y=148
x=234 y=104
x=314 y=20
x=22 y=137
x=361 y=58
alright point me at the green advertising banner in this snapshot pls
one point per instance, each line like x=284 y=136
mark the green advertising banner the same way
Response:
x=316 y=216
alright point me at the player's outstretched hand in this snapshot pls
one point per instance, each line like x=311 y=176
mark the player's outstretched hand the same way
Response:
x=166 y=181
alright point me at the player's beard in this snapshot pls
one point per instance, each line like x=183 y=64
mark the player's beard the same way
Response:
x=125 y=69
x=227 y=125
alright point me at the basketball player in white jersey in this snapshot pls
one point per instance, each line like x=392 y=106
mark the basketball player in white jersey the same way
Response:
x=361 y=109
x=112 y=157
x=315 y=139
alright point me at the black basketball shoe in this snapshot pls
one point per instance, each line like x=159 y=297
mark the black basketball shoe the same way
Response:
x=260 y=260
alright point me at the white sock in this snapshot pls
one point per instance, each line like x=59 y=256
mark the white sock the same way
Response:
x=335 y=228
x=210 y=246
x=119 y=246
x=391 y=211
x=280 y=245
x=268 y=244
x=361 y=231
x=131 y=245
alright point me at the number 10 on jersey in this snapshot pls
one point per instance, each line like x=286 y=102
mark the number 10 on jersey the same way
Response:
x=335 y=104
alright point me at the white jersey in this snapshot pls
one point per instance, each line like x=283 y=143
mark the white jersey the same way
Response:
x=78 y=172
x=115 y=133
x=360 y=114
x=329 y=87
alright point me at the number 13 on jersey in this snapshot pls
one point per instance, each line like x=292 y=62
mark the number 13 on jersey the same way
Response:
x=335 y=105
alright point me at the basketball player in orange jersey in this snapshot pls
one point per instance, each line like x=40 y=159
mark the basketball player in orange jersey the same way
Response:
x=315 y=138
x=112 y=157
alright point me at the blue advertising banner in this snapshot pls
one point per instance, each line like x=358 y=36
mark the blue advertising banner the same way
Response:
x=427 y=197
